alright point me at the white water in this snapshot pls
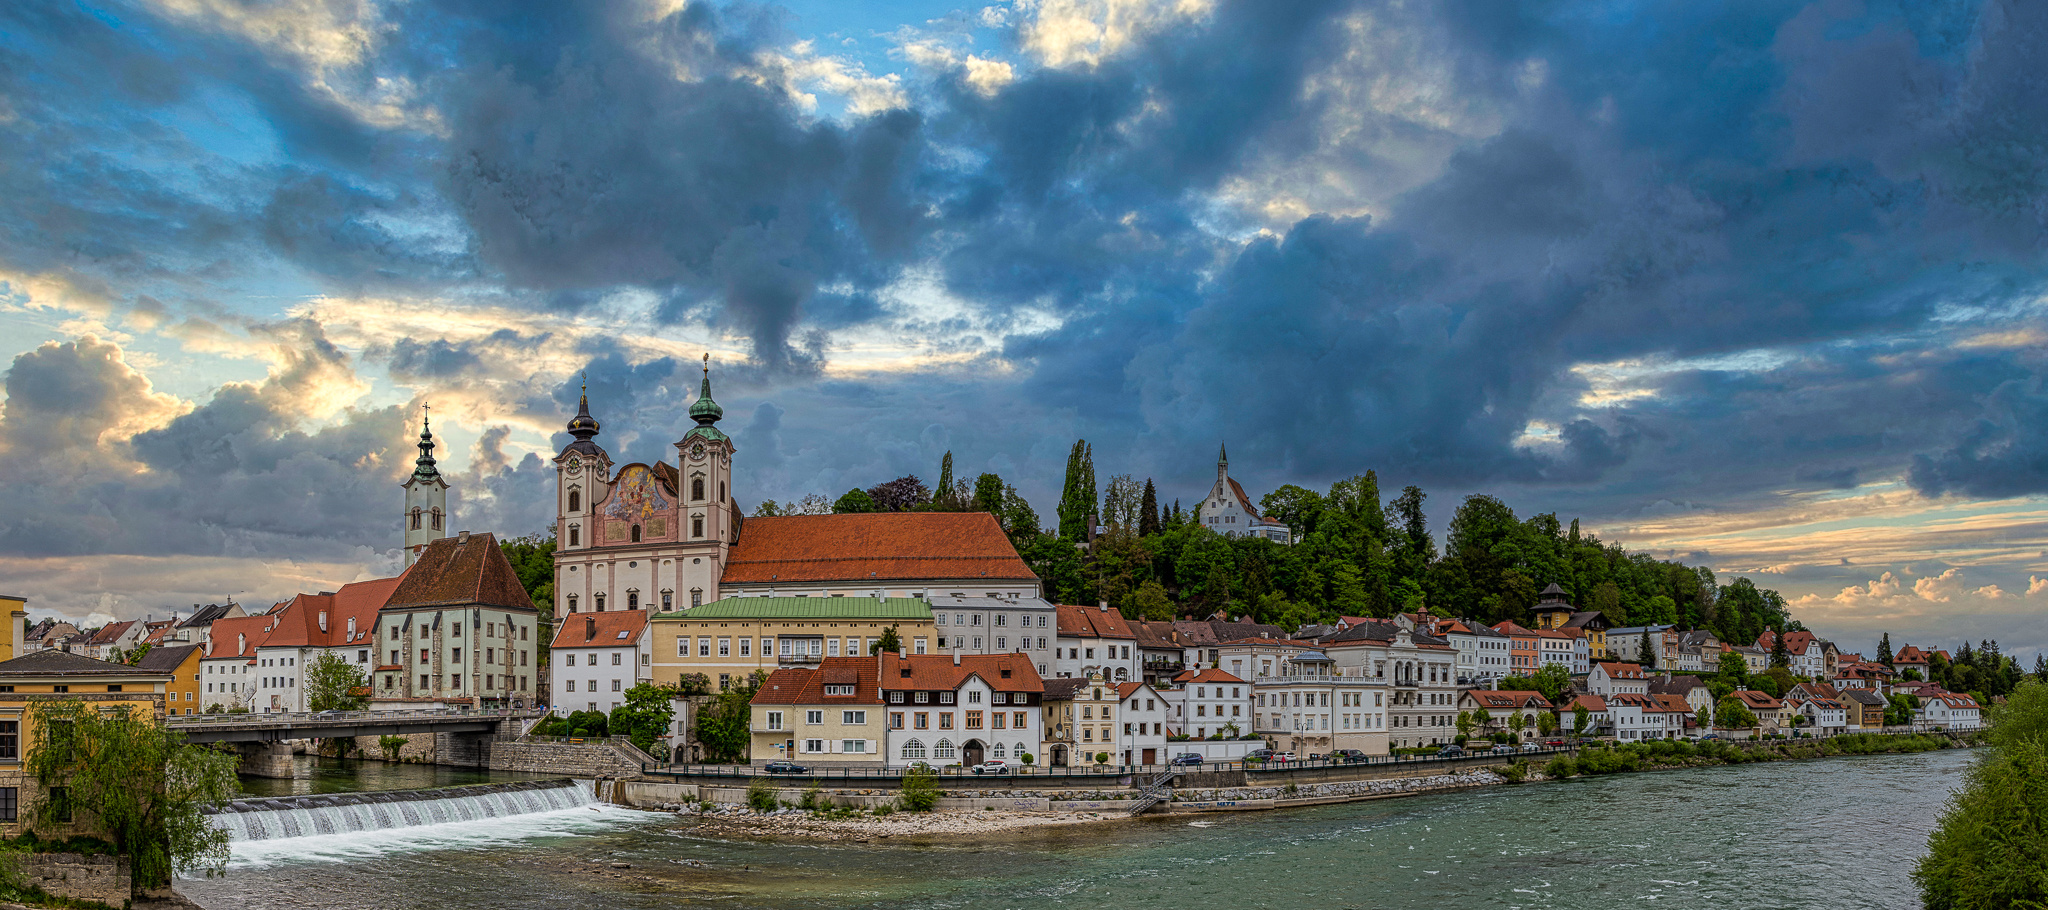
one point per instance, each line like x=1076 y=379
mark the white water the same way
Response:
x=368 y=829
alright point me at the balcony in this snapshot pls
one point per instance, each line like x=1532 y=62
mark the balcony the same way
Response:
x=799 y=660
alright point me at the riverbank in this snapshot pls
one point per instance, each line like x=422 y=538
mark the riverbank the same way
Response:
x=866 y=827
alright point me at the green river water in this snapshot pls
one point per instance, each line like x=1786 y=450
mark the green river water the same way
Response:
x=1832 y=833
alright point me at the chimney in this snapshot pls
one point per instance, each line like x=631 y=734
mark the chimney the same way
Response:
x=1103 y=604
x=589 y=628
x=462 y=537
x=956 y=658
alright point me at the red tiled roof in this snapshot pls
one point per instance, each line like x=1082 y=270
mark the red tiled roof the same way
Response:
x=806 y=685
x=1672 y=703
x=611 y=628
x=1489 y=698
x=1210 y=675
x=298 y=624
x=221 y=637
x=1909 y=655
x=875 y=547
x=937 y=672
x=1093 y=622
x=1592 y=702
x=1620 y=670
x=456 y=572
x=1755 y=699
x=109 y=633
x=1124 y=690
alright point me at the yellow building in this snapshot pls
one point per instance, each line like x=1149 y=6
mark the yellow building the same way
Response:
x=14 y=610
x=828 y=715
x=53 y=675
x=730 y=639
x=181 y=694
x=1555 y=613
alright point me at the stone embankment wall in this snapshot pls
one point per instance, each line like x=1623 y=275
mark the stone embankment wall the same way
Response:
x=79 y=877
x=591 y=759
x=664 y=795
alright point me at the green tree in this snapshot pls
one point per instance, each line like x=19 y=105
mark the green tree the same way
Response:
x=1733 y=669
x=1077 y=498
x=920 y=792
x=1465 y=722
x=1151 y=601
x=533 y=560
x=334 y=684
x=1517 y=721
x=1148 y=511
x=644 y=718
x=1299 y=508
x=722 y=725
x=855 y=501
x=1990 y=849
x=768 y=508
x=888 y=643
x=1546 y=723
x=122 y=772
x=389 y=745
x=944 y=497
x=1778 y=656
x=1582 y=717
x=133 y=656
x=1884 y=649
x=988 y=497
x=1732 y=714
x=1704 y=718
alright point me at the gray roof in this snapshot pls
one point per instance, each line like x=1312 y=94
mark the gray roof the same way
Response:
x=53 y=662
x=1062 y=688
x=206 y=615
x=165 y=658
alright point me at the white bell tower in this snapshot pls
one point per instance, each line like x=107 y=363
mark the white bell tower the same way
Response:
x=426 y=499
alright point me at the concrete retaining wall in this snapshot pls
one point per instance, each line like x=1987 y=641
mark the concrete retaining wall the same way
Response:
x=600 y=758
x=87 y=878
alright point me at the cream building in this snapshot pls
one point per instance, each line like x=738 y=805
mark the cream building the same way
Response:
x=731 y=639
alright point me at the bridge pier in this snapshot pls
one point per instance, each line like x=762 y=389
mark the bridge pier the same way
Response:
x=266 y=759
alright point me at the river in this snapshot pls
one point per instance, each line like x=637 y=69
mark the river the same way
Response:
x=1833 y=833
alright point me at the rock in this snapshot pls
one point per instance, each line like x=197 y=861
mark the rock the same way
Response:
x=622 y=865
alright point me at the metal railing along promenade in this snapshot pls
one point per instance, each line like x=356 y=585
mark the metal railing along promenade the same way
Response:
x=345 y=717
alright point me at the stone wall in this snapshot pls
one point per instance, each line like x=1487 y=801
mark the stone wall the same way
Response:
x=592 y=759
x=87 y=878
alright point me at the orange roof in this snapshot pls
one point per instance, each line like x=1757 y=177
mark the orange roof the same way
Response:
x=1755 y=699
x=1093 y=622
x=1124 y=690
x=1509 y=627
x=1592 y=702
x=1672 y=703
x=874 y=547
x=298 y=624
x=936 y=672
x=1621 y=671
x=1211 y=675
x=1909 y=655
x=222 y=636
x=1488 y=698
x=109 y=633
x=806 y=685
x=608 y=629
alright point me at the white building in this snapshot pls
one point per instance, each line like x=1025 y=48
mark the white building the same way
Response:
x=227 y=663
x=597 y=658
x=1229 y=512
x=1419 y=671
x=1610 y=678
x=974 y=624
x=1627 y=643
x=1949 y=711
x=1203 y=704
x=960 y=709
x=1094 y=641
x=1141 y=725
x=297 y=632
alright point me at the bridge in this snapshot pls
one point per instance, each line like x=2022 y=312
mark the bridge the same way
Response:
x=460 y=737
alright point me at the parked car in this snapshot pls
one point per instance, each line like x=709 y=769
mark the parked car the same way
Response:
x=1531 y=747
x=1503 y=749
x=1452 y=751
x=1259 y=755
x=1283 y=757
x=785 y=767
x=1189 y=758
x=1349 y=756
x=995 y=766
x=1554 y=743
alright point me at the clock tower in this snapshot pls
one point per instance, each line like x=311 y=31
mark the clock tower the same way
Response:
x=705 y=510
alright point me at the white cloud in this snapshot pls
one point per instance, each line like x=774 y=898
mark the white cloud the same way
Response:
x=802 y=73
x=1065 y=32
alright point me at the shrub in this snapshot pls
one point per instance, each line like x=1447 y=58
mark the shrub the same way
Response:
x=1560 y=768
x=1988 y=850
x=1027 y=758
x=761 y=795
x=814 y=799
x=1514 y=771
x=920 y=790
x=1102 y=758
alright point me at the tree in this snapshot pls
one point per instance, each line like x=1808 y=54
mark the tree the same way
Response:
x=1465 y=722
x=1990 y=848
x=334 y=684
x=1546 y=723
x=1732 y=714
x=1297 y=507
x=1705 y=718
x=944 y=497
x=1734 y=669
x=855 y=502
x=133 y=656
x=533 y=560
x=1582 y=717
x=768 y=508
x=1150 y=602
x=1517 y=721
x=1884 y=649
x=1148 y=511
x=389 y=745
x=1077 y=498
x=889 y=643
x=1778 y=656
x=988 y=497
x=138 y=782
x=645 y=717
x=904 y=494
x=812 y=504
x=723 y=725
x=1649 y=653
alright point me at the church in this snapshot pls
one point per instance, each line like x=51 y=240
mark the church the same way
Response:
x=1229 y=512
x=669 y=537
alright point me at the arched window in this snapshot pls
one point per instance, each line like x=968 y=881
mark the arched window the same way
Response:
x=721 y=491
x=636 y=533
x=944 y=749
x=696 y=526
x=572 y=603
x=415 y=519
x=437 y=518
x=1021 y=752
x=696 y=488
x=696 y=597
x=913 y=749
x=997 y=751
x=575 y=500
x=600 y=602
x=668 y=600
x=633 y=599
x=575 y=536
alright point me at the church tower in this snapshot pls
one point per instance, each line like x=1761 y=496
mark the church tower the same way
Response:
x=426 y=499
x=704 y=459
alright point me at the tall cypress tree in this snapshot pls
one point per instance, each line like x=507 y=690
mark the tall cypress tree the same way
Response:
x=1884 y=650
x=1148 y=511
x=943 y=497
x=1074 y=504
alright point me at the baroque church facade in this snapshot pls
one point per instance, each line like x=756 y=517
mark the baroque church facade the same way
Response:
x=644 y=536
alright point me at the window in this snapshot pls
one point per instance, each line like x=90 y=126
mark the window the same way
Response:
x=996 y=720
x=746 y=647
x=814 y=717
x=60 y=804
x=575 y=535
x=394 y=629
x=113 y=688
x=725 y=647
x=839 y=690
x=1021 y=720
x=974 y=720
x=632 y=600
x=814 y=745
x=696 y=526
x=943 y=750
x=923 y=698
x=945 y=698
x=571 y=686
x=912 y=749
x=853 y=717
x=703 y=647
x=946 y=720
x=616 y=657
x=10 y=745
x=599 y=600
x=575 y=502
x=415 y=519
x=895 y=720
x=920 y=720
x=636 y=533
x=10 y=803
x=775 y=720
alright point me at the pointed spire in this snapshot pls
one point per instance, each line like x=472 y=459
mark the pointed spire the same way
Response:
x=583 y=426
x=705 y=411
x=1222 y=454
x=424 y=468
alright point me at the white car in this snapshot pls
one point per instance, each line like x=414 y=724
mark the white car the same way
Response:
x=995 y=766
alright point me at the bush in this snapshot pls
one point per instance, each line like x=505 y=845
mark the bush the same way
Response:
x=1560 y=768
x=761 y=795
x=814 y=799
x=1027 y=758
x=1102 y=758
x=1515 y=771
x=920 y=790
x=1991 y=847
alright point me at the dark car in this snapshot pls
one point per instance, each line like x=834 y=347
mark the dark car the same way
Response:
x=785 y=767
x=1349 y=757
x=1451 y=752
x=1189 y=758
x=1258 y=755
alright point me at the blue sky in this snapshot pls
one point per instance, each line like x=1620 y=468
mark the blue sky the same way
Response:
x=1752 y=285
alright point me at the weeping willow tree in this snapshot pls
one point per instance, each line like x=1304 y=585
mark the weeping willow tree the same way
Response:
x=1991 y=848
x=121 y=774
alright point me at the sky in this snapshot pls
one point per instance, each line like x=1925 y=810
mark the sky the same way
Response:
x=1752 y=285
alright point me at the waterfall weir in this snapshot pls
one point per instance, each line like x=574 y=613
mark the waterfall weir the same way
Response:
x=281 y=817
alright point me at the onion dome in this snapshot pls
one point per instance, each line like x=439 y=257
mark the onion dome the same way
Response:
x=705 y=411
x=424 y=468
x=583 y=426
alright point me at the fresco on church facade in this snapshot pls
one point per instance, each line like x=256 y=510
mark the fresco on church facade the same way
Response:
x=636 y=497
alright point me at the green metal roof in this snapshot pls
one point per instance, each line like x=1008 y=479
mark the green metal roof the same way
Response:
x=909 y=608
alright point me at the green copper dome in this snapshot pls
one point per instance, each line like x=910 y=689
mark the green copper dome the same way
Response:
x=705 y=411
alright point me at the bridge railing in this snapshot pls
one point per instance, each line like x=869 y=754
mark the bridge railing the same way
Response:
x=278 y=717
